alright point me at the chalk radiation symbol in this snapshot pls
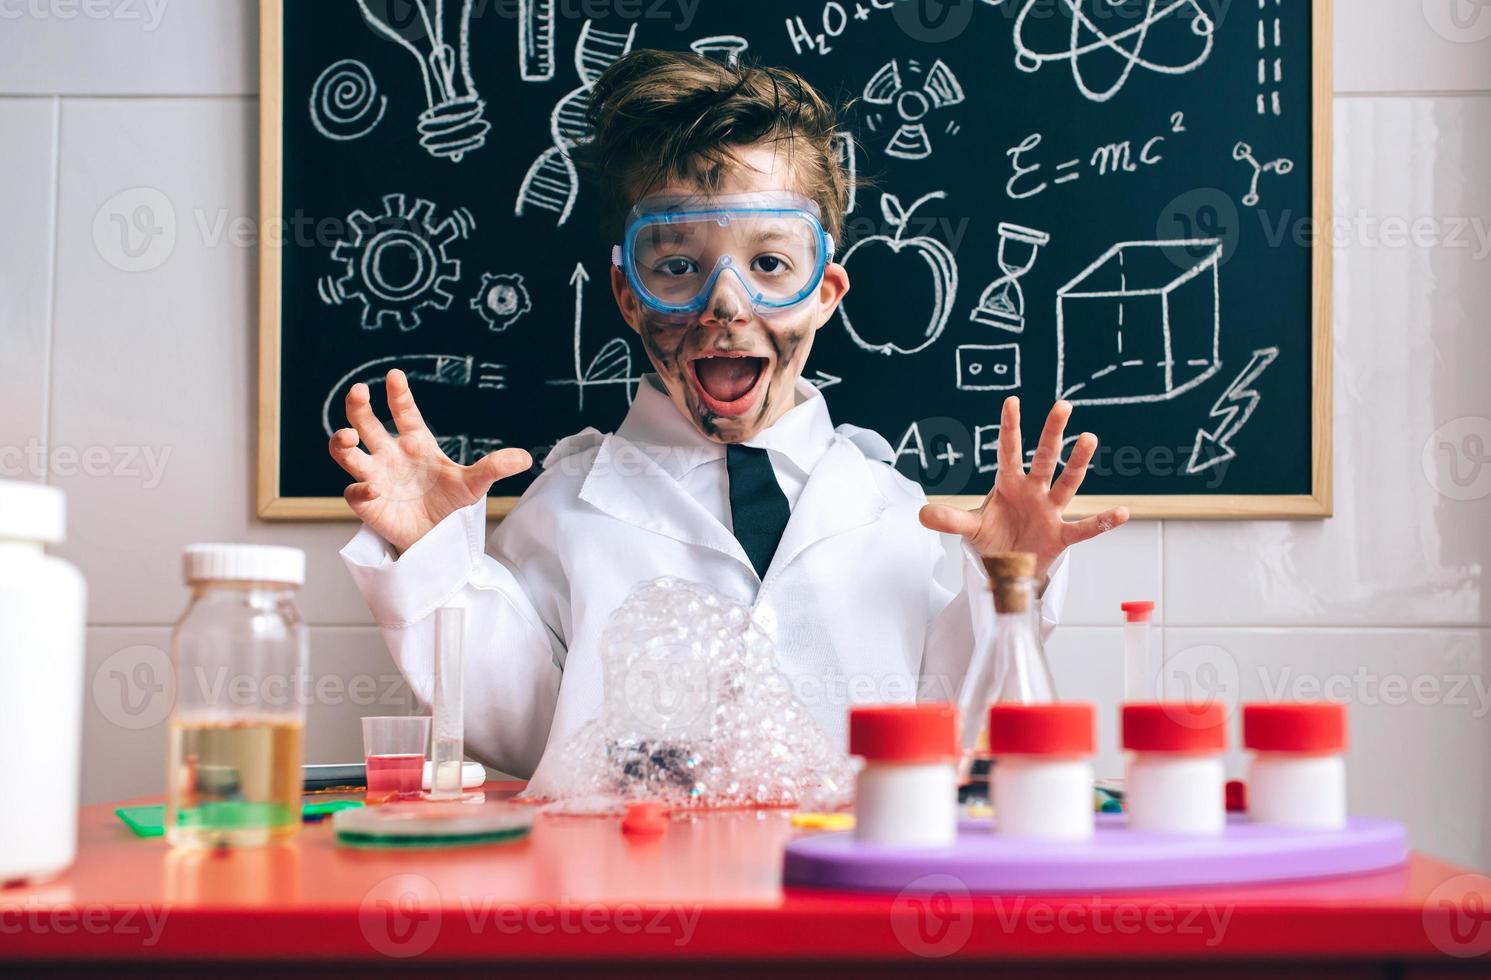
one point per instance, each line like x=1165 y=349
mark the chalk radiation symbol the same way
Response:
x=395 y=263
x=1105 y=40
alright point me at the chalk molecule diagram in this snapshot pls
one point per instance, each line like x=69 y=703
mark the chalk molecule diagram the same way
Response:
x=345 y=103
x=1243 y=153
x=453 y=124
x=395 y=263
x=1089 y=36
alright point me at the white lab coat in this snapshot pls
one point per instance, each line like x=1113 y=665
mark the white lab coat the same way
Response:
x=864 y=604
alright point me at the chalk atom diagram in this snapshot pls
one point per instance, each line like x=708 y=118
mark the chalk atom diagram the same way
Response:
x=395 y=263
x=1091 y=40
x=1142 y=323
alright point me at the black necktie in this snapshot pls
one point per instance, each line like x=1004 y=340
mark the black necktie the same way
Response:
x=758 y=507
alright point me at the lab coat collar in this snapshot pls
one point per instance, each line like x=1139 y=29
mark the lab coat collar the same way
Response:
x=633 y=481
x=655 y=425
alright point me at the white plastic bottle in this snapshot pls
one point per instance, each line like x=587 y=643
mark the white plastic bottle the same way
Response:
x=1043 y=769
x=1297 y=776
x=1174 y=780
x=907 y=792
x=41 y=687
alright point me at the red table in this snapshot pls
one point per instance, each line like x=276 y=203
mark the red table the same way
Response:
x=581 y=895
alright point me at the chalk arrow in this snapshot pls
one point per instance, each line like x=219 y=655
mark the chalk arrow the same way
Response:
x=578 y=278
x=1233 y=408
x=824 y=380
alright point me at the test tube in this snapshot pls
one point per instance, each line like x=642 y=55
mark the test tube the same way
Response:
x=449 y=748
x=1141 y=682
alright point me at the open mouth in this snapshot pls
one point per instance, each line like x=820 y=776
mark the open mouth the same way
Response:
x=728 y=382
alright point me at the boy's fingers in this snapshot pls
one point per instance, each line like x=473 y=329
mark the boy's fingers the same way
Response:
x=360 y=414
x=1011 y=452
x=343 y=448
x=1093 y=526
x=496 y=466
x=1066 y=485
x=950 y=520
x=360 y=493
x=1048 y=450
x=401 y=404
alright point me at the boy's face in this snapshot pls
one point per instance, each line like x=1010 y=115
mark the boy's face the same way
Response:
x=729 y=370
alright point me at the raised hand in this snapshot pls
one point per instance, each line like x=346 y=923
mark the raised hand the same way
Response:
x=405 y=484
x=1023 y=511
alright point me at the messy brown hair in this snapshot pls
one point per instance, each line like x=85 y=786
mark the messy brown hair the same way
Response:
x=659 y=116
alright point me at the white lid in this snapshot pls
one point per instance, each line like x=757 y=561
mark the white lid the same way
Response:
x=247 y=562
x=32 y=512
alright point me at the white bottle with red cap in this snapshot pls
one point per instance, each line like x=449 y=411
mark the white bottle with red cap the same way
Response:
x=1043 y=778
x=1174 y=780
x=907 y=792
x=1297 y=776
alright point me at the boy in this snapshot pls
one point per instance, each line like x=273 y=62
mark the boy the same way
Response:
x=725 y=192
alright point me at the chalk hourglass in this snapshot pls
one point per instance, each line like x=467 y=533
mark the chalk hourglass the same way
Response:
x=1002 y=303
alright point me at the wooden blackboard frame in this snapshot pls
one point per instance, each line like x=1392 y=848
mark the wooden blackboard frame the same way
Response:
x=271 y=505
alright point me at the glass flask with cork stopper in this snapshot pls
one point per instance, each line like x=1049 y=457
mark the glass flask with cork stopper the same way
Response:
x=1008 y=665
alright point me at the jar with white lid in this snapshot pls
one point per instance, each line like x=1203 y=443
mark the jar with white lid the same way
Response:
x=1043 y=775
x=237 y=730
x=1174 y=779
x=1297 y=775
x=42 y=613
x=907 y=792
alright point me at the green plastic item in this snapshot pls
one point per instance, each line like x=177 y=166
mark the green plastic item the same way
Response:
x=150 y=821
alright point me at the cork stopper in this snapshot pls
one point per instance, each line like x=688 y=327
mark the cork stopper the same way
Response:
x=1009 y=579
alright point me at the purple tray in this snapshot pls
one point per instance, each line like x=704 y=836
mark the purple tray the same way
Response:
x=1116 y=859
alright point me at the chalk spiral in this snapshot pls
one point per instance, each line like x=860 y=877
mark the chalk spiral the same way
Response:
x=345 y=104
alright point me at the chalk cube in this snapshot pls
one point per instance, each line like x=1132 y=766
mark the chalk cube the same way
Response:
x=1140 y=324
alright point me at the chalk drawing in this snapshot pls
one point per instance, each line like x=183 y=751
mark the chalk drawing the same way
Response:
x=726 y=48
x=453 y=123
x=612 y=364
x=988 y=367
x=1233 y=408
x=1242 y=152
x=450 y=370
x=345 y=104
x=395 y=263
x=1002 y=303
x=939 y=262
x=936 y=88
x=535 y=40
x=1270 y=70
x=1130 y=328
x=502 y=300
x=1090 y=35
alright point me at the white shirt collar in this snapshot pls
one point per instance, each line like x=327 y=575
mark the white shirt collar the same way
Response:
x=655 y=425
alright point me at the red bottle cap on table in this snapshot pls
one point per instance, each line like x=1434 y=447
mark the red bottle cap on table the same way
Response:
x=1175 y=726
x=904 y=732
x=1137 y=612
x=1064 y=728
x=646 y=817
x=1318 y=726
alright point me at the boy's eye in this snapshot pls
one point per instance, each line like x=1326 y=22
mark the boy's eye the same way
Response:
x=677 y=265
x=770 y=264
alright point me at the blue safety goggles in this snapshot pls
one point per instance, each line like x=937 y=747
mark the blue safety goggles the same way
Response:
x=676 y=248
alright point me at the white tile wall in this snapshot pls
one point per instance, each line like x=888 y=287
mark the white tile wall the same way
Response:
x=1393 y=585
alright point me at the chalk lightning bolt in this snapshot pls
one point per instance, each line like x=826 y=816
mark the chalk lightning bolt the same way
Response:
x=1233 y=408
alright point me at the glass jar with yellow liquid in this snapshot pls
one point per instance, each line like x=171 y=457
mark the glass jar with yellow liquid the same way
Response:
x=237 y=730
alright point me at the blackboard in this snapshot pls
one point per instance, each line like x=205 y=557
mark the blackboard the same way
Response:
x=1117 y=203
